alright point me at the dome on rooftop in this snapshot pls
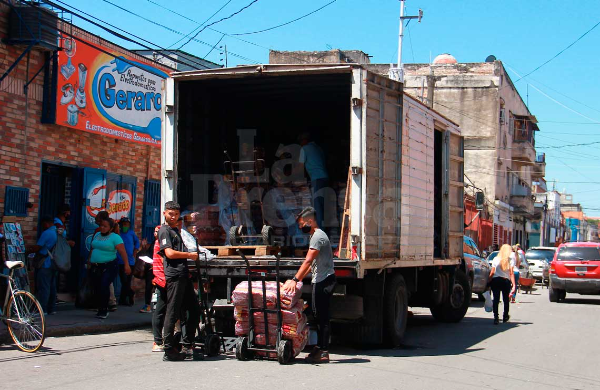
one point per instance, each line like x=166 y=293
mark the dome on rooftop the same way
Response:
x=445 y=59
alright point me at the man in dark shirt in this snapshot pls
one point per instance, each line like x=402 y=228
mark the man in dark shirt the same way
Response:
x=180 y=290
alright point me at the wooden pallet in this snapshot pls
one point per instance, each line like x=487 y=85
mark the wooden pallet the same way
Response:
x=251 y=250
x=345 y=244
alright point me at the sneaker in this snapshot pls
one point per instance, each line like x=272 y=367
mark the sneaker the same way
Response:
x=192 y=354
x=496 y=321
x=321 y=358
x=506 y=318
x=146 y=309
x=157 y=347
x=112 y=308
x=173 y=356
x=102 y=315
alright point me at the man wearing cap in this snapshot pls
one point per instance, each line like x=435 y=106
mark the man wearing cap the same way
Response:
x=132 y=246
x=179 y=286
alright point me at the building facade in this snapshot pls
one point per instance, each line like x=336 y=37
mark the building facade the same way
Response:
x=499 y=130
x=62 y=142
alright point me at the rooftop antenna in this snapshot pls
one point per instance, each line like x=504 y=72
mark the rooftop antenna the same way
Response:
x=396 y=72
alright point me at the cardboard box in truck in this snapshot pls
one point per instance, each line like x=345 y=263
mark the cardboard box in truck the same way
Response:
x=393 y=198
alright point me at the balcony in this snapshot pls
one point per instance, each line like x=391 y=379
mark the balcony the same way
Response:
x=523 y=128
x=521 y=199
x=539 y=168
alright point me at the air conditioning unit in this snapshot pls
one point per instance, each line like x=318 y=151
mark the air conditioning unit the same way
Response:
x=33 y=25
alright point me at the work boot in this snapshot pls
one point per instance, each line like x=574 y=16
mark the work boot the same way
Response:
x=311 y=356
x=172 y=355
x=321 y=358
x=191 y=353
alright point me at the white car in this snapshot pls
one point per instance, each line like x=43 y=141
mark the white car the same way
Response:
x=539 y=259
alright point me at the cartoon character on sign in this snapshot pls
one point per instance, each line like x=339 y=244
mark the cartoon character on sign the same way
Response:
x=95 y=197
x=119 y=204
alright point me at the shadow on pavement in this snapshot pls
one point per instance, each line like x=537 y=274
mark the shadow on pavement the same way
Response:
x=427 y=337
x=581 y=301
x=42 y=352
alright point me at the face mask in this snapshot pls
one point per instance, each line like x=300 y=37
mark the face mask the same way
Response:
x=306 y=229
x=125 y=229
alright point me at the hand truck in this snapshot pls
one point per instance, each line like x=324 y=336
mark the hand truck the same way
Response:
x=207 y=338
x=246 y=347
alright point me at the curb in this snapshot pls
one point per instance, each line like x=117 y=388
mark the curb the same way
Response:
x=83 y=329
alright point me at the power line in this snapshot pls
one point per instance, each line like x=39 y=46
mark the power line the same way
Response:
x=286 y=23
x=560 y=52
x=183 y=16
x=120 y=35
x=175 y=31
x=219 y=21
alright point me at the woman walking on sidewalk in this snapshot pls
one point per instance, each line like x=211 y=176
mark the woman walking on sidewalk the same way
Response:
x=103 y=262
x=502 y=278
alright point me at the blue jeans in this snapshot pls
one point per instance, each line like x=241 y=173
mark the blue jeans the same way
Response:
x=45 y=288
x=517 y=274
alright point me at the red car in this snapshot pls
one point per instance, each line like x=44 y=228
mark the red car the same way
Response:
x=575 y=269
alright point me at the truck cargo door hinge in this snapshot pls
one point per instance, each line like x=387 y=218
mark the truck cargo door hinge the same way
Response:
x=357 y=170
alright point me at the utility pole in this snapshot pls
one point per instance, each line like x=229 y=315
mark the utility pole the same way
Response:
x=224 y=48
x=396 y=73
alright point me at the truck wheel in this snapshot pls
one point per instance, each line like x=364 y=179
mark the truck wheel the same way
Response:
x=396 y=310
x=457 y=304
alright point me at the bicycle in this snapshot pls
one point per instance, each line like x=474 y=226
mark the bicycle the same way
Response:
x=22 y=313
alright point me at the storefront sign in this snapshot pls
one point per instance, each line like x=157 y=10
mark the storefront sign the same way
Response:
x=117 y=204
x=114 y=96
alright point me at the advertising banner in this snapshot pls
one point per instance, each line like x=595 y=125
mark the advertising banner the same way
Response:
x=111 y=95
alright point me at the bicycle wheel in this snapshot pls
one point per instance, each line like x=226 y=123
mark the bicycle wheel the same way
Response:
x=25 y=320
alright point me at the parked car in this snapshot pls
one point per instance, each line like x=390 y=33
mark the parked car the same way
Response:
x=477 y=267
x=575 y=269
x=539 y=259
x=491 y=257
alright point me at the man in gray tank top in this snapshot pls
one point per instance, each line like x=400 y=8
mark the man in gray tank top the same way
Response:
x=319 y=261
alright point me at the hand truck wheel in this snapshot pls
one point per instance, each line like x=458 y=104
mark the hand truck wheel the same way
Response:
x=284 y=352
x=241 y=349
x=233 y=235
x=212 y=345
x=267 y=235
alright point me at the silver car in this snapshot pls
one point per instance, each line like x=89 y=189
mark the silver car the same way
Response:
x=539 y=259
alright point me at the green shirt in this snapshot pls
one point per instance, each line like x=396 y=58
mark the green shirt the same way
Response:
x=105 y=247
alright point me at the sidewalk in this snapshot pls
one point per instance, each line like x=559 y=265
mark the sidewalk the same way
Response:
x=70 y=321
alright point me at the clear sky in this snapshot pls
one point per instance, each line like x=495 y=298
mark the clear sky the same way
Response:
x=523 y=34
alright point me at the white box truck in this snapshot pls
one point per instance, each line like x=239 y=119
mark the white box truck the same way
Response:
x=395 y=196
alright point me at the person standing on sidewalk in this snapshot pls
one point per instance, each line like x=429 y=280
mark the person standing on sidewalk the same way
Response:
x=501 y=278
x=132 y=246
x=180 y=290
x=45 y=277
x=159 y=282
x=146 y=250
x=319 y=261
x=103 y=262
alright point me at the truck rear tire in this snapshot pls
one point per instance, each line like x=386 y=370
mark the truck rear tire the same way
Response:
x=395 y=310
x=457 y=304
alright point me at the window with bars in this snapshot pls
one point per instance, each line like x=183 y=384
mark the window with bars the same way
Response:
x=15 y=201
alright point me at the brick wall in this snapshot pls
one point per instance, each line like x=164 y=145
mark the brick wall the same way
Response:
x=25 y=142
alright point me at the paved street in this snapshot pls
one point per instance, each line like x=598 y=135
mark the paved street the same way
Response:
x=545 y=346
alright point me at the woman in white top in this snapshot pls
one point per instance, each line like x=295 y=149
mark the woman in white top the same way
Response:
x=502 y=278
